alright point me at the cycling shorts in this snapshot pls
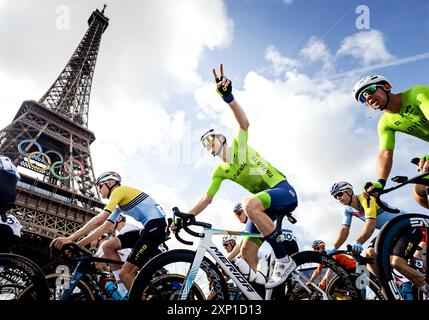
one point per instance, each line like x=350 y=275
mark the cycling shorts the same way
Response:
x=405 y=243
x=278 y=200
x=145 y=242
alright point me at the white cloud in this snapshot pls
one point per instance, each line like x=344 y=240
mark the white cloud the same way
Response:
x=160 y=55
x=14 y=91
x=366 y=47
x=280 y=63
x=316 y=50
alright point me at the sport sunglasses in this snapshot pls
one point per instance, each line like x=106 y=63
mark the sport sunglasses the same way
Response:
x=365 y=93
x=338 y=194
x=208 y=140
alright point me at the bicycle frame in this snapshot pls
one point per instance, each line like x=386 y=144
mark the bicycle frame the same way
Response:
x=206 y=245
x=77 y=274
x=84 y=268
x=361 y=273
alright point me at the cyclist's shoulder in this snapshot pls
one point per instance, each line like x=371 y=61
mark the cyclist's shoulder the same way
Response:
x=220 y=170
x=348 y=210
x=417 y=89
x=126 y=190
x=364 y=201
x=386 y=119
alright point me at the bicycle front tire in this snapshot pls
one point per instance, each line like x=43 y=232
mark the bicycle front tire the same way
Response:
x=306 y=262
x=21 y=273
x=208 y=282
x=384 y=247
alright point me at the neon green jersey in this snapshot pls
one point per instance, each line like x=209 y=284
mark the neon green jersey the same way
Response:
x=247 y=168
x=412 y=118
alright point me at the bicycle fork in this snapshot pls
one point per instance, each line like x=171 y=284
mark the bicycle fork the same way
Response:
x=192 y=273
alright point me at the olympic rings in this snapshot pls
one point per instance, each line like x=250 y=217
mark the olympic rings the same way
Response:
x=42 y=155
x=57 y=153
x=66 y=165
x=69 y=166
x=29 y=141
x=71 y=160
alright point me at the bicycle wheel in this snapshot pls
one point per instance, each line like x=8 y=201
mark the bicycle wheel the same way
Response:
x=336 y=288
x=295 y=287
x=150 y=284
x=10 y=291
x=384 y=244
x=21 y=279
x=168 y=287
x=57 y=283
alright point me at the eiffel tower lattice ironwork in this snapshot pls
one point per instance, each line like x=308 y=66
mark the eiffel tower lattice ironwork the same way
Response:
x=49 y=141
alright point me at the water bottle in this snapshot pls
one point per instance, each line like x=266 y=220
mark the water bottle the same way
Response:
x=407 y=291
x=112 y=289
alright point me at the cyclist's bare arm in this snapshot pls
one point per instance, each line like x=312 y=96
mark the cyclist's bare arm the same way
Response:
x=239 y=113
x=328 y=274
x=314 y=275
x=367 y=230
x=100 y=231
x=201 y=204
x=89 y=226
x=342 y=236
x=384 y=163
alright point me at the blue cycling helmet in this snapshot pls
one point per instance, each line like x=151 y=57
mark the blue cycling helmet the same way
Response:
x=317 y=243
x=340 y=186
x=238 y=207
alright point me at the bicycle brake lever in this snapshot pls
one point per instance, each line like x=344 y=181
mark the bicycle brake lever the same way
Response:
x=292 y=219
x=415 y=161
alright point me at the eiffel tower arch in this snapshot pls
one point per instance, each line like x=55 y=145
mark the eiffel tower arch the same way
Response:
x=49 y=141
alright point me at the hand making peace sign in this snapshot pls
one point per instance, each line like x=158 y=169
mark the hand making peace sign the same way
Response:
x=224 y=85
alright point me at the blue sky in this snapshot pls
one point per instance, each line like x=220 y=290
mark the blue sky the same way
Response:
x=153 y=92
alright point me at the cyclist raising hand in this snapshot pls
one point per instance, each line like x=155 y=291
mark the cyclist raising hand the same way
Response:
x=272 y=194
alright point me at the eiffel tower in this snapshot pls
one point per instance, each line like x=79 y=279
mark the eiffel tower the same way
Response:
x=49 y=141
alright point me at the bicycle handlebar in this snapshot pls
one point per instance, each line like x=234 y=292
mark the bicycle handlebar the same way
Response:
x=361 y=260
x=176 y=233
x=402 y=181
x=186 y=221
x=75 y=249
x=78 y=252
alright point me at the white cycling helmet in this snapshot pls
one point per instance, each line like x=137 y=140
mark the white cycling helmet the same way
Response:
x=340 y=186
x=226 y=239
x=366 y=82
x=205 y=138
x=109 y=175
